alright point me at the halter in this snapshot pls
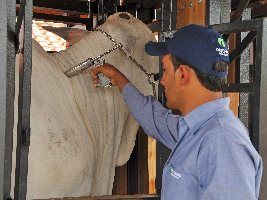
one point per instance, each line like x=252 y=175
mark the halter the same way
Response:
x=93 y=61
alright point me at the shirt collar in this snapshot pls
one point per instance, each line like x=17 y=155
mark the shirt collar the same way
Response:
x=202 y=113
x=183 y=128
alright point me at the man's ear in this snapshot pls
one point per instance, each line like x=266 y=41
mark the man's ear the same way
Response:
x=183 y=73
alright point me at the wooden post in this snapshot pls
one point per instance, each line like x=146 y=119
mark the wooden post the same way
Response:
x=190 y=12
x=120 y=181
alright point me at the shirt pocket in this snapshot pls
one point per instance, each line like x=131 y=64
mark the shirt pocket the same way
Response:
x=177 y=184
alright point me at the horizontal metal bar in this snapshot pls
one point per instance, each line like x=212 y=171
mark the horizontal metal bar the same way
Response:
x=240 y=88
x=237 y=27
x=60 y=18
x=65 y=5
x=242 y=46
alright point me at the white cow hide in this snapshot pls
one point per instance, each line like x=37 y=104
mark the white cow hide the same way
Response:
x=81 y=133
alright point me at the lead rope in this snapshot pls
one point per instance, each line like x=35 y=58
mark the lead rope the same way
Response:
x=150 y=76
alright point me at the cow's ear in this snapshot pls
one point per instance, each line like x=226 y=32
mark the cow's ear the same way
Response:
x=71 y=35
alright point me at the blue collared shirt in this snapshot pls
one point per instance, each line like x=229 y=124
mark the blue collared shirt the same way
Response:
x=212 y=157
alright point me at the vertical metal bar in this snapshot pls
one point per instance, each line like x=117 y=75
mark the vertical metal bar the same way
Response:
x=168 y=15
x=218 y=11
x=225 y=11
x=100 y=16
x=261 y=62
x=90 y=20
x=213 y=12
x=101 y=7
x=7 y=88
x=244 y=75
x=173 y=14
x=257 y=93
x=25 y=70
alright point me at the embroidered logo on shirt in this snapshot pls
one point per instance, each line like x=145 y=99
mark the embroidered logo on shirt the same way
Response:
x=175 y=174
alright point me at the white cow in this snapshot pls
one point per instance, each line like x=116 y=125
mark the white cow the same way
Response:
x=81 y=133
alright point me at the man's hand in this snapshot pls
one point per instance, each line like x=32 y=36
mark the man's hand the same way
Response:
x=115 y=76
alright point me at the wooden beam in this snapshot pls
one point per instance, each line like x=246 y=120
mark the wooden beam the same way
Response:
x=190 y=12
x=152 y=165
x=63 y=5
x=120 y=181
x=143 y=181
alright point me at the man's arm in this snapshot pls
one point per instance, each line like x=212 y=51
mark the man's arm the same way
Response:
x=157 y=121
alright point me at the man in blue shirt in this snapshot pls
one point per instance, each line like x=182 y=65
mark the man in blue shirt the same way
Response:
x=212 y=156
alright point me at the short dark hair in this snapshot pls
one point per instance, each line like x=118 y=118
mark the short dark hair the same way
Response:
x=212 y=83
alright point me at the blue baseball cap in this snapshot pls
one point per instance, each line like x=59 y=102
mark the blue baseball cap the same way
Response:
x=197 y=45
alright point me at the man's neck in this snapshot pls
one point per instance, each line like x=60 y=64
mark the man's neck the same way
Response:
x=198 y=98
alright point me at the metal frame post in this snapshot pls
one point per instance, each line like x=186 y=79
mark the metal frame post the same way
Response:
x=244 y=75
x=24 y=101
x=261 y=60
x=7 y=90
x=168 y=15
